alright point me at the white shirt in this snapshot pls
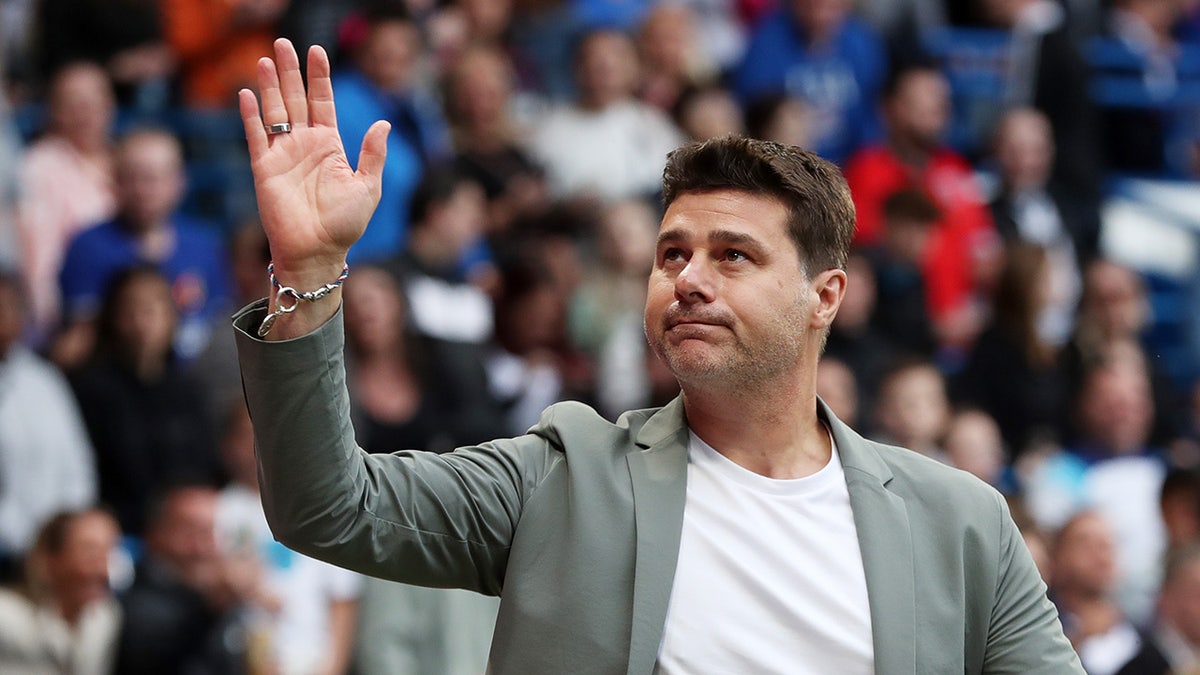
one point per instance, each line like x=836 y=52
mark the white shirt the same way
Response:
x=770 y=575
x=616 y=152
x=46 y=463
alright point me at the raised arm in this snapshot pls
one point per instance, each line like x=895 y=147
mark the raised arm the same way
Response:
x=313 y=204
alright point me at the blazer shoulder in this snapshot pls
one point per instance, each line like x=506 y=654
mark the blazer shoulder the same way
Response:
x=574 y=426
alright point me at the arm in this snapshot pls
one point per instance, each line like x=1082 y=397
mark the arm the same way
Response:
x=313 y=205
x=439 y=520
x=1025 y=635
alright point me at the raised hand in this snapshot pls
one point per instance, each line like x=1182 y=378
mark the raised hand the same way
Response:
x=313 y=205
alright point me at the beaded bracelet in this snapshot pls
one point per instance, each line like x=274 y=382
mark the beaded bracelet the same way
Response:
x=282 y=292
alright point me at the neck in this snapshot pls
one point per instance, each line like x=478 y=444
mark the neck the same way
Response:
x=773 y=432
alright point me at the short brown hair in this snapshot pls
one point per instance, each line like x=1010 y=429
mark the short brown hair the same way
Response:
x=820 y=211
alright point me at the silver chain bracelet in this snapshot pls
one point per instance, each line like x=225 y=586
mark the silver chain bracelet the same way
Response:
x=288 y=292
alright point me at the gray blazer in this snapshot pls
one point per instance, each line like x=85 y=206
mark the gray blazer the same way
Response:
x=576 y=526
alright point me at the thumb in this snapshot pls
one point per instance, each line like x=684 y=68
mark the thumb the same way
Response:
x=374 y=151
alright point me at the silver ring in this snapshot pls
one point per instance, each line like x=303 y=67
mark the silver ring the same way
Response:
x=281 y=128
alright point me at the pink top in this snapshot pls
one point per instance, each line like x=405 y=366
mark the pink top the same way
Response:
x=62 y=192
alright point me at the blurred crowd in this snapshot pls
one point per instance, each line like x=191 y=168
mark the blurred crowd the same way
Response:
x=505 y=267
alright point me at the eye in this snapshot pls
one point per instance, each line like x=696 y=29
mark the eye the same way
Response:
x=734 y=255
x=672 y=255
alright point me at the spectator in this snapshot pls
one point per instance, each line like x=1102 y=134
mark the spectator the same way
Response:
x=67 y=181
x=180 y=615
x=218 y=44
x=399 y=396
x=1113 y=470
x=147 y=229
x=708 y=112
x=46 y=460
x=147 y=418
x=65 y=618
x=973 y=443
x=1114 y=309
x=963 y=248
x=381 y=82
x=838 y=389
x=125 y=38
x=912 y=409
x=855 y=341
x=1030 y=207
x=780 y=118
x=1085 y=572
x=1179 y=503
x=1046 y=72
x=1174 y=644
x=1137 y=139
x=302 y=610
x=607 y=144
x=216 y=368
x=902 y=308
x=447 y=215
x=605 y=312
x=815 y=50
x=487 y=138
x=528 y=361
x=1014 y=372
x=672 y=59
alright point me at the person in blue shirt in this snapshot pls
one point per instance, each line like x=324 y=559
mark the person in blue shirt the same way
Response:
x=381 y=83
x=148 y=229
x=817 y=51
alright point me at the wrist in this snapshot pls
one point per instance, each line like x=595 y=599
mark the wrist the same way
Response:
x=296 y=309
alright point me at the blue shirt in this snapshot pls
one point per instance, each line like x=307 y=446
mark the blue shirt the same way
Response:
x=196 y=267
x=361 y=104
x=840 y=81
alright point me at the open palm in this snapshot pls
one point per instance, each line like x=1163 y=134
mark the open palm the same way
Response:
x=313 y=205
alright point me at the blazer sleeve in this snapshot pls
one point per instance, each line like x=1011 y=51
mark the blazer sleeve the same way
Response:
x=412 y=516
x=1024 y=634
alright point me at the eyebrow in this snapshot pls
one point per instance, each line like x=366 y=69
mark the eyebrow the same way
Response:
x=716 y=236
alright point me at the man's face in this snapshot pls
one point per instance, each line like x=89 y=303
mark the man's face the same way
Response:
x=920 y=108
x=150 y=180
x=607 y=69
x=1085 y=558
x=728 y=299
x=80 y=569
x=1181 y=602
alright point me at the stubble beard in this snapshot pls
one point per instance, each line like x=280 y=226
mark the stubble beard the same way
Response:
x=730 y=363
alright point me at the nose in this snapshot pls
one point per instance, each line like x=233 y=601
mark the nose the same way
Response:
x=696 y=282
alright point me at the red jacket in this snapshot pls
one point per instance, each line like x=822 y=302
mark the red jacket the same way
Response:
x=963 y=236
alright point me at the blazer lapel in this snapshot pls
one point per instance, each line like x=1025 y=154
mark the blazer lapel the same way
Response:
x=659 y=473
x=886 y=544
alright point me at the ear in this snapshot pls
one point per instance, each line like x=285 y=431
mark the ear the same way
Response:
x=829 y=287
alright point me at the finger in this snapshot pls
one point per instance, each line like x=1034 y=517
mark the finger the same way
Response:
x=256 y=136
x=291 y=83
x=273 y=110
x=374 y=151
x=320 y=89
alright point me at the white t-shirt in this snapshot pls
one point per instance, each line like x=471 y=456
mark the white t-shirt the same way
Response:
x=770 y=576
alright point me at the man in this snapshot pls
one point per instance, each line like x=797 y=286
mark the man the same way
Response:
x=1084 y=580
x=46 y=457
x=382 y=81
x=606 y=144
x=151 y=183
x=742 y=528
x=64 y=618
x=182 y=612
x=962 y=252
x=819 y=52
x=1174 y=644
